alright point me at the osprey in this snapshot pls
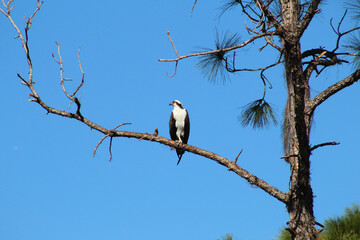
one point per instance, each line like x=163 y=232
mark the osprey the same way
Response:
x=179 y=125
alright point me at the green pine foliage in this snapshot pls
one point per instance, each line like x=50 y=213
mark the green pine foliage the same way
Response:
x=213 y=65
x=354 y=46
x=346 y=227
x=226 y=237
x=258 y=114
x=284 y=235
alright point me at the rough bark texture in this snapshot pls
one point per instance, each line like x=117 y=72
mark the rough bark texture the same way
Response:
x=300 y=205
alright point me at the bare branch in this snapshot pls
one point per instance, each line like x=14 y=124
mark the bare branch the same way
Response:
x=177 y=54
x=172 y=43
x=62 y=79
x=24 y=41
x=339 y=33
x=221 y=50
x=321 y=57
x=111 y=138
x=271 y=18
x=269 y=41
x=250 y=69
x=82 y=73
x=176 y=64
x=97 y=145
x=323 y=144
x=192 y=9
x=321 y=97
x=262 y=70
x=312 y=10
x=252 y=179
x=107 y=135
x=238 y=156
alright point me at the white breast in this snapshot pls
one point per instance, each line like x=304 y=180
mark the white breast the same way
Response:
x=179 y=116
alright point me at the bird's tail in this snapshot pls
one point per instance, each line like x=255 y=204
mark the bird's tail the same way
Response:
x=179 y=153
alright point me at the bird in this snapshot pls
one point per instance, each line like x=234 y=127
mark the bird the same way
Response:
x=179 y=126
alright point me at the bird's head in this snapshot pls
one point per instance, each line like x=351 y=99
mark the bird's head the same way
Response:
x=176 y=103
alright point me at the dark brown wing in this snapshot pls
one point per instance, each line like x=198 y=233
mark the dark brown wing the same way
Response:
x=186 y=128
x=172 y=128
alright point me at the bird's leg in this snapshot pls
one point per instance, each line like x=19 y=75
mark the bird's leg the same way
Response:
x=179 y=142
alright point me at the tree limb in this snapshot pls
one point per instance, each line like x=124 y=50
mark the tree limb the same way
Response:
x=323 y=144
x=271 y=18
x=312 y=10
x=221 y=50
x=231 y=165
x=321 y=97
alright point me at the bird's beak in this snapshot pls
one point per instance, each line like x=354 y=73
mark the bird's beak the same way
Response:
x=171 y=103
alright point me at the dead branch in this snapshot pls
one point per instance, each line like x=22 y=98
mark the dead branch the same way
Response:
x=82 y=74
x=62 y=79
x=177 y=54
x=321 y=97
x=238 y=156
x=172 y=43
x=320 y=57
x=221 y=50
x=192 y=9
x=111 y=138
x=323 y=144
x=97 y=145
x=252 y=179
x=271 y=19
x=262 y=69
x=107 y=135
x=176 y=64
x=312 y=10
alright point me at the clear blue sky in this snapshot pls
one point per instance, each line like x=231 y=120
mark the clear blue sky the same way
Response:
x=51 y=186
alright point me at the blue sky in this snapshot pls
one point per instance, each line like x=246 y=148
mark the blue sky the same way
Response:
x=51 y=186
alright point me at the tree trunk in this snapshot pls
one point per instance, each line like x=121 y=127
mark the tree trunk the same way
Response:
x=300 y=205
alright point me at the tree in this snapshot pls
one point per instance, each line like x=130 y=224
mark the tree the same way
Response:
x=227 y=237
x=344 y=227
x=280 y=24
x=338 y=228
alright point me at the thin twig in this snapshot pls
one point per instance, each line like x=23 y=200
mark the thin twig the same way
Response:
x=82 y=74
x=62 y=79
x=289 y=156
x=192 y=9
x=238 y=156
x=107 y=135
x=97 y=145
x=122 y=124
x=111 y=138
x=176 y=63
x=172 y=43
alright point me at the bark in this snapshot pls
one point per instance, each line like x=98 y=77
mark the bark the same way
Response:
x=300 y=205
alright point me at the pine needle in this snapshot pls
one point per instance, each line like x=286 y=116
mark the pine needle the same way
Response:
x=258 y=113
